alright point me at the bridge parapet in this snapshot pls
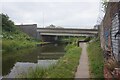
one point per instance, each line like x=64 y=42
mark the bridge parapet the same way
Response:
x=68 y=31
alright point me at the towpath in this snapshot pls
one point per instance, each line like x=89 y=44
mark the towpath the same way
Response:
x=83 y=67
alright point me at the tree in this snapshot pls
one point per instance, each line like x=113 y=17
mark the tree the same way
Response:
x=7 y=24
x=51 y=26
x=104 y=5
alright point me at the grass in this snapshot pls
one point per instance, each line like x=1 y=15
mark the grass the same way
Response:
x=12 y=45
x=67 y=65
x=95 y=55
x=17 y=40
x=64 y=68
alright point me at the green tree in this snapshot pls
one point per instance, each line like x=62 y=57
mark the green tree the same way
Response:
x=7 y=24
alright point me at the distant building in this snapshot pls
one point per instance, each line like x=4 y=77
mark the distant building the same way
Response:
x=30 y=29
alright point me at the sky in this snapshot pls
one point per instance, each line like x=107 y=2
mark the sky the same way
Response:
x=64 y=13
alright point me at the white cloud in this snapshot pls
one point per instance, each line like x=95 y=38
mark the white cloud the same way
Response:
x=67 y=14
x=49 y=0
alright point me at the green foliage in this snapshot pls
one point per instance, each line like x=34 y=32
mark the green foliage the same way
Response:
x=16 y=40
x=39 y=72
x=12 y=37
x=96 y=60
x=7 y=24
x=69 y=46
x=67 y=65
x=73 y=40
x=11 y=45
x=88 y=39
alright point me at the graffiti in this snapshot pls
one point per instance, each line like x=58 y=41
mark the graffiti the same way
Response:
x=106 y=37
x=115 y=36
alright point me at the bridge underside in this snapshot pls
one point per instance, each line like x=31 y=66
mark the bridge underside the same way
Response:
x=53 y=34
x=54 y=37
x=67 y=32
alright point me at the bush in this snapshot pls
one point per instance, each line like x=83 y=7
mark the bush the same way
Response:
x=69 y=46
x=87 y=39
x=12 y=45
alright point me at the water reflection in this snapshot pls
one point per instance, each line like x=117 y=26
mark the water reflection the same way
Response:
x=20 y=61
x=24 y=67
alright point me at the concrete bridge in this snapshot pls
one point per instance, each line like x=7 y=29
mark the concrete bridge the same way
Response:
x=67 y=32
x=52 y=34
x=33 y=31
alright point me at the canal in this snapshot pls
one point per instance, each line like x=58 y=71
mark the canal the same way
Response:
x=19 y=62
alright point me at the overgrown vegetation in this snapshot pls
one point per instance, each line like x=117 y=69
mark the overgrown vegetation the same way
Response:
x=67 y=65
x=12 y=37
x=7 y=24
x=64 y=68
x=95 y=55
x=87 y=39
x=12 y=41
x=73 y=39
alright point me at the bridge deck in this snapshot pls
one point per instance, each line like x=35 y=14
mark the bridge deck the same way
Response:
x=67 y=32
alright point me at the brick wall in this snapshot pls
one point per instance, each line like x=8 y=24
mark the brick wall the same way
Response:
x=105 y=28
x=110 y=64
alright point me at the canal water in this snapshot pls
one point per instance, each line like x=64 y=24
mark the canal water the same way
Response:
x=19 y=62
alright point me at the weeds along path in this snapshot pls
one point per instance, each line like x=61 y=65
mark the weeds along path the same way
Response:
x=83 y=67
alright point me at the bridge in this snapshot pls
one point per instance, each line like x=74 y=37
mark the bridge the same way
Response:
x=55 y=34
x=66 y=32
x=50 y=33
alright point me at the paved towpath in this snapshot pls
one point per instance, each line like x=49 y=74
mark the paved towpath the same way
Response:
x=83 y=67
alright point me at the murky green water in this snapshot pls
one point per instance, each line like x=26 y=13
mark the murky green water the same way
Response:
x=18 y=61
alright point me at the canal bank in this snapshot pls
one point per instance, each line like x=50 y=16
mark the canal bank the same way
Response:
x=22 y=60
x=64 y=68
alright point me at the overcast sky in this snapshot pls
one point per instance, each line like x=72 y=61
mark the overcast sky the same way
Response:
x=69 y=14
